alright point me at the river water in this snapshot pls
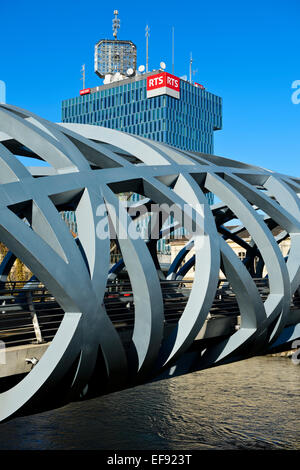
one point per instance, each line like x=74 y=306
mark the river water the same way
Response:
x=253 y=405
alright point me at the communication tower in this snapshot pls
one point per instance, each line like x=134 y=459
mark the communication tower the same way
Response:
x=113 y=57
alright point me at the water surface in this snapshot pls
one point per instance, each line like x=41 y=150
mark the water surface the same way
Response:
x=253 y=404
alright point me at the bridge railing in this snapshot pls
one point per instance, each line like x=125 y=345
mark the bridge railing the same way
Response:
x=30 y=314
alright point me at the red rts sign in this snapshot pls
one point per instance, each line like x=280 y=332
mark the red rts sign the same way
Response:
x=85 y=91
x=163 y=84
x=198 y=85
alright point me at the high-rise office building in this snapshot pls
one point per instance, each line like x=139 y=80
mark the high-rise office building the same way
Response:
x=155 y=105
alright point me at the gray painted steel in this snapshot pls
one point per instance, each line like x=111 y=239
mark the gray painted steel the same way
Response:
x=88 y=167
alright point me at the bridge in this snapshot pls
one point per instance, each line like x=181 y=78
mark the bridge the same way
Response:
x=30 y=318
x=79 y=327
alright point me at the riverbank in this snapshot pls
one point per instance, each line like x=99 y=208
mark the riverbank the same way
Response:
x=287 y=354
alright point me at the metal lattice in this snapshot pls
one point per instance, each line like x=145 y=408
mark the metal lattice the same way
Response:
x=112 y=56
x=88 y=167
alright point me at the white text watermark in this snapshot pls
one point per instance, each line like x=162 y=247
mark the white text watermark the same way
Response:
x=296 y=94
x=2 y=92
x=142 y=221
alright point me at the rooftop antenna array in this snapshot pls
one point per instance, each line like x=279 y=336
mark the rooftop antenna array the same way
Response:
x=116 y=24
x=115 y=59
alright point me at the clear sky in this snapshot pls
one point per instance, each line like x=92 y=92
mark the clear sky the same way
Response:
x=245 y=52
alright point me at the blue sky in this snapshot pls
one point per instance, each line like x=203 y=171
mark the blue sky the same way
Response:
x=245 y=52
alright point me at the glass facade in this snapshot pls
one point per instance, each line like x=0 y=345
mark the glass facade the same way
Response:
x=187 y=123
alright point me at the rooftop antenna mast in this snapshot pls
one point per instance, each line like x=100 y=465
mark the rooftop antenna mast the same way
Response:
x=173 y=50
x=83 y=76
x=147 y=40
x=116 y=24
x=191 y=62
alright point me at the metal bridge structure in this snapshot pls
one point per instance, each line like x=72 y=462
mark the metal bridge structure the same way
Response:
x=79 y=327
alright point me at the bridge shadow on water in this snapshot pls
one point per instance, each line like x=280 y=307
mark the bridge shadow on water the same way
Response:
x=249 y=405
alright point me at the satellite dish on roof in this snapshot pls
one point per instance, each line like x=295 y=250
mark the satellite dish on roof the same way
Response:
x=117 y=77
x=107 y=79
x=130 y=72
x=141 y=68
x=162 y=65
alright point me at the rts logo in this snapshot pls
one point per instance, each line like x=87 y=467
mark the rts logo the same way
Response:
x=163 y=84
x=296 y=94
x=173 y=82
x=155 y=82
x=85 y=91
